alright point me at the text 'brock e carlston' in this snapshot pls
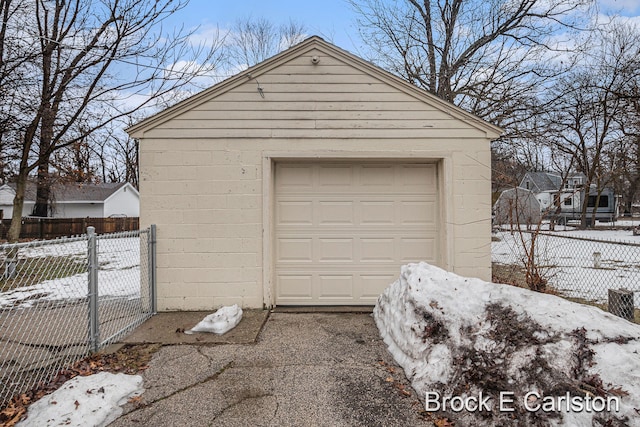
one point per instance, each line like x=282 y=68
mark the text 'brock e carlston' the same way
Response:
x=531 y=402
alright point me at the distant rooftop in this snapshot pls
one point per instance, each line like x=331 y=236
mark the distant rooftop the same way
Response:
x=75 y=191
x=544 y=181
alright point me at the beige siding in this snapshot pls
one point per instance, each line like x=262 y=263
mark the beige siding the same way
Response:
x=202 y=171
x=330 y=99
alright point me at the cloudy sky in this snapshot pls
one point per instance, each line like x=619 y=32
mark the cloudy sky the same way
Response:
x=334 y=20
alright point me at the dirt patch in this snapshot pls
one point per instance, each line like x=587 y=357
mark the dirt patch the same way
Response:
x=130 y=359
x=432 y=327
x=508 y=274
x=507 y=352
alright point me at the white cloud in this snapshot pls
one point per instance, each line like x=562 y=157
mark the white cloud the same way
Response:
x=207 y=36
x=622 y=7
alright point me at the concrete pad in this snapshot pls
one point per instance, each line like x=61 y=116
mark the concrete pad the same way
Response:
x=321 y=369
x=168 y=329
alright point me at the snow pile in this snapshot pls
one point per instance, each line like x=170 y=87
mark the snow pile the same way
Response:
x=530 y=357
x=220 y=322
x=92 y=400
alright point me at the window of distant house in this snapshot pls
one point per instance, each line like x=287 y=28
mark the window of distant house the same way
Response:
x=568 y=201
x=527 y=183
x=602 y=203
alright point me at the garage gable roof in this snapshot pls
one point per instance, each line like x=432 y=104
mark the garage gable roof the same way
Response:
x=315 y=42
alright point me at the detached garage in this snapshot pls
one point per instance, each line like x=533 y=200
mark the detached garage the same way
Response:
x=309 y=179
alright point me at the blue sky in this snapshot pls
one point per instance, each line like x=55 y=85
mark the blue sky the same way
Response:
x=334 y=20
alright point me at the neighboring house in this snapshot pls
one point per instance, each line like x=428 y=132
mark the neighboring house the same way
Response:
x=310 y=179
x=543 y=185
x=78 y=200
x=517 y=206
x=551 y=192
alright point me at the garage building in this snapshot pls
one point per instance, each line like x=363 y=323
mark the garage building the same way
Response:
x=309 y=179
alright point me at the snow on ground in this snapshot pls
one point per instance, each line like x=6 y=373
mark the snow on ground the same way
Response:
x=555 y=362
x=93 y=400
x=119 y=273
x=220 y=322
x=624 y=236
x=569 y=263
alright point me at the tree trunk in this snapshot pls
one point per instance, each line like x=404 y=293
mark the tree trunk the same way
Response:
x=18 y=202
x=584 y=193
x=43 y=191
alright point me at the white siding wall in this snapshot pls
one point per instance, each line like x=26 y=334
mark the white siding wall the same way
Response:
x=202 y=172
x=78 y=210
x=123 y=202
x=6 y=203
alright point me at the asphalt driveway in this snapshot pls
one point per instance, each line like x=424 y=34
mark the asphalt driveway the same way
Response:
x=311 y=369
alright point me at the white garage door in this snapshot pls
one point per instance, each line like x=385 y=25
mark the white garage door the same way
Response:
x=343 y=230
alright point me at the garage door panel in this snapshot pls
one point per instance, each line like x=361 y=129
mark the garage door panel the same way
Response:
x=343 y=240
x=295 y=286
x=335 y=177
x=417 y=212
x=335 y=212
x=295 y=178
x=417 y=249
x=377 y=212
x=294 y=250
x=417 y=177
x=294 y=213
x=377 y=178
x=336 y=286
x=336 y=249
x=377 y=249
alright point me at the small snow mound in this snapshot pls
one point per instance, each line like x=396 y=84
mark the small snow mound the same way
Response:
x=92 y=400
x=220 y=322
x=462 y=337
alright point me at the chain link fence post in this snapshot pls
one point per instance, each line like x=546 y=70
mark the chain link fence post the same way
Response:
x=92 y=254
x=152 y=268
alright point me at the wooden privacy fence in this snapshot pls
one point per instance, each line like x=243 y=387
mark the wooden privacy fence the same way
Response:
x=51 y=228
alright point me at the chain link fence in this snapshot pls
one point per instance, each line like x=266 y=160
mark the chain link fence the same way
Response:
x=63 y=299
x=600 y=272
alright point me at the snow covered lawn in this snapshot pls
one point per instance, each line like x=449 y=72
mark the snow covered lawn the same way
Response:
x=569 y=263
x=487 y=354
x=119 y=273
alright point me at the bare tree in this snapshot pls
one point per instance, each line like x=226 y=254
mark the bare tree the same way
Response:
x=117 y=154
x=89 y=60
x=625 y=157
x=585 y=107
x=253 y=40
x=484 y=55
x=14 y=55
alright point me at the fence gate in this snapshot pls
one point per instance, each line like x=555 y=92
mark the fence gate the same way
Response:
x=63 y=299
